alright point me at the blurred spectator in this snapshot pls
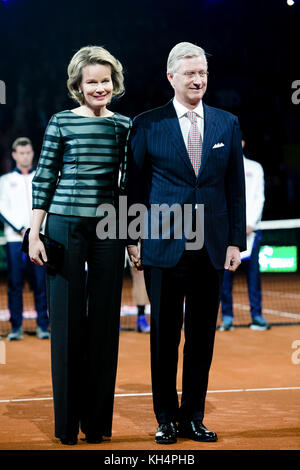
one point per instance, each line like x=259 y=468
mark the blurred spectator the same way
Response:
x=255 y=198
x=140 y=299
x=15 y=213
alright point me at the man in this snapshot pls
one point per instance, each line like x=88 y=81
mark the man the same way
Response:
x=255 y=197
x=15 y=213
x=186 y=153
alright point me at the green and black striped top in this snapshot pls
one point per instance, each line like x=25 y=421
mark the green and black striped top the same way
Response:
x=81 y=162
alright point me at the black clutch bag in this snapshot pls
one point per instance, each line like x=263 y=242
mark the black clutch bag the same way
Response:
x=54 y=251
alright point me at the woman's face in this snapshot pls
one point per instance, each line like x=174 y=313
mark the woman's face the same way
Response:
x=96 y=85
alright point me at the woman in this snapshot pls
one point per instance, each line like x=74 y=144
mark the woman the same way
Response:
x=83 y=152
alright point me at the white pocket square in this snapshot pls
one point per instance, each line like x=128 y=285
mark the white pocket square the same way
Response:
x=220 y=144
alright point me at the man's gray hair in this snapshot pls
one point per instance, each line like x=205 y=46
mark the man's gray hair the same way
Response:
x=183 y=50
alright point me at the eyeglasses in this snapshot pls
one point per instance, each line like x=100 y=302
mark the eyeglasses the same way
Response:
x=193 y=75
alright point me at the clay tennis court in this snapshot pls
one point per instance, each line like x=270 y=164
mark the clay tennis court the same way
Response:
x=253 y=401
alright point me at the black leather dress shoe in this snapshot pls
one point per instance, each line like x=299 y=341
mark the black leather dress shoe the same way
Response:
x=69 y=441
x=166 y=434
x=196 y=431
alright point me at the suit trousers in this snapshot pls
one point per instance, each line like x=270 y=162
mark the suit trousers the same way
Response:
x=196 y=281
x=84 y=309
x=251 y=268
x=18 y=266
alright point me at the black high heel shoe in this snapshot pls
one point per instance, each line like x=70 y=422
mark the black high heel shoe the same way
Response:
x=69 y=441
x=93 y=439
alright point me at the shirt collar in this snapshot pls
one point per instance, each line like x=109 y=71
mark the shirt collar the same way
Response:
x=182 y=110
x=16 y=169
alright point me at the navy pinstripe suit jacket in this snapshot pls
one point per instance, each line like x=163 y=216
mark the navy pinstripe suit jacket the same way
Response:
x=160 y=171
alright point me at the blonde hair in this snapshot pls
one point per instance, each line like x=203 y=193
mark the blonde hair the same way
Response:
x=183 y=50
x=91 y=55
x=20 y=141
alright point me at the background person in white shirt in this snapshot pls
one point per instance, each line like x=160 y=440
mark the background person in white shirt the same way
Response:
x=255 y=197
x=15 y=213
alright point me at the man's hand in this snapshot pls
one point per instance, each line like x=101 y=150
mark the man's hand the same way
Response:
x=135 y=257
x=233 y=258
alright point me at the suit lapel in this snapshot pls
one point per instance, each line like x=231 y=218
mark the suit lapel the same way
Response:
x=172 y=127
x=209 y=135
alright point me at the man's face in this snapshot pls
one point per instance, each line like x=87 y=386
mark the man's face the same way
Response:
x=23 y=156
x=190 y=81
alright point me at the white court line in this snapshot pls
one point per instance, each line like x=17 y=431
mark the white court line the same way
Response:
x=281 y=294
x=122 y=395
x=269 y=311
x=271 y=293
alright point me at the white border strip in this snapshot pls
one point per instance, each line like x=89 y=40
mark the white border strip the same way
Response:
x=279 y=224
x=122 y=395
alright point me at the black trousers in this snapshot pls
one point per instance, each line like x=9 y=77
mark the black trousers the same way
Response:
x=84 y=310
x=195 y=280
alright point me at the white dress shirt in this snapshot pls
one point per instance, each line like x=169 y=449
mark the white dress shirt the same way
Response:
x=16 y=203
x=184 y=121
x=255 y=198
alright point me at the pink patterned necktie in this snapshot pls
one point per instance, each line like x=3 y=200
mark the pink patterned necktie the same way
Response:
x=194 y=145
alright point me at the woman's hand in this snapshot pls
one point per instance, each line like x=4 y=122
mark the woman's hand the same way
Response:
x=135 y=257
x=37 y=252
x=36 y=246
